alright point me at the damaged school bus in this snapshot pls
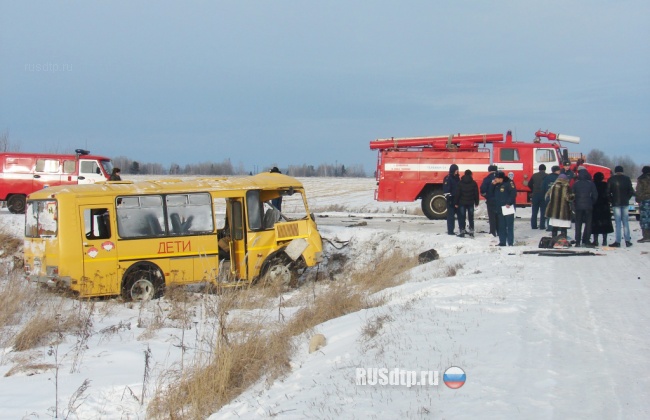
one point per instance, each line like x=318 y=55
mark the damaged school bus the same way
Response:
x=135 y=239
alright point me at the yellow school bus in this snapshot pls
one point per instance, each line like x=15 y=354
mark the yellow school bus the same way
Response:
x=135 y=239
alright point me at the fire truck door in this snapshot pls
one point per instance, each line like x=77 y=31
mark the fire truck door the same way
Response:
x=89 y=172
x=547 y=156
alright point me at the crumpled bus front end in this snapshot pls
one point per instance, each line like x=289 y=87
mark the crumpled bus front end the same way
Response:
x=297 y=231
x=313 y=253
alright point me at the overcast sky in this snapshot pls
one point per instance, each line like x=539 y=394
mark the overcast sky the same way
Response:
x=292 y=82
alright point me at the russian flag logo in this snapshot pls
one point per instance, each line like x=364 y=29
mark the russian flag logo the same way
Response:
x=454 y=377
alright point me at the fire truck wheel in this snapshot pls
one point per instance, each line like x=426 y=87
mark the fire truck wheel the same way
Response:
x=434 y=205
x=143 y=283
x=16 y=204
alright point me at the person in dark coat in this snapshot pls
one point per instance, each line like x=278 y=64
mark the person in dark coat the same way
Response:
x=601 y=219
x=643 y=198
x=505 y=194
x=487 y=191
x=466 y=199
x=585 y=196
x=620 y=191
x=115 y=175
x=536 y=185
x=449 y=185
x=546 y=185
x=558 y=209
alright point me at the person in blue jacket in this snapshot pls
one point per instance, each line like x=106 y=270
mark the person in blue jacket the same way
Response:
x=505 y=194
x=449 y=186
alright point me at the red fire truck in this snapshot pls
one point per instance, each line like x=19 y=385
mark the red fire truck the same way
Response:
x=23 y=173
x=414 y=168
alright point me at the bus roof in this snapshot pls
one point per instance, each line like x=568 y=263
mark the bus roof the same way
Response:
x=167 y=186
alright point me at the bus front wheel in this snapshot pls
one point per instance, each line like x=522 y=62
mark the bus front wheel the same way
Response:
x=143 y=283
x=278 y=271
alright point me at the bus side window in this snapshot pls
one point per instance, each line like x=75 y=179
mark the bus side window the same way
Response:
x=97 y=224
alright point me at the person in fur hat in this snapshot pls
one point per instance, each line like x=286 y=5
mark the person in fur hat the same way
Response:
x=549 y=180
x=643 y=198
x=558 y=209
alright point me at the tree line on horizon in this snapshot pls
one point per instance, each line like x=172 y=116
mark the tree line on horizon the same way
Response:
x=134 y=167
x=226 y=167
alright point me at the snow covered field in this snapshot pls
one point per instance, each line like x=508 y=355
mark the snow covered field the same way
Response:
x=537 y=336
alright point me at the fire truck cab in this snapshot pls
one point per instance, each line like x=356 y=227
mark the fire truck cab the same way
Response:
x=23 y=173
x=414 y=168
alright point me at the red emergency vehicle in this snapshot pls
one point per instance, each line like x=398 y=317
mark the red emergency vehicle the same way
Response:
x=23 y=173
x=414 y=168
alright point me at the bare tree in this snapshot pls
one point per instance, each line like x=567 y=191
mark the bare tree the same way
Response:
x=630 y=167
x=598 y=157
x=6 y=145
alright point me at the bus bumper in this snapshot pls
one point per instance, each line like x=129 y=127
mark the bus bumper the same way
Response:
x=53 y=282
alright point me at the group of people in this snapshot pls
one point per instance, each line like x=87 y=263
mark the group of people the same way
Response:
x=575 y=197
x=558 y=199
x=463 y=197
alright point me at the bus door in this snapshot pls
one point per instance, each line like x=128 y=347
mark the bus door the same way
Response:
x=238 y=238
x=100 y=273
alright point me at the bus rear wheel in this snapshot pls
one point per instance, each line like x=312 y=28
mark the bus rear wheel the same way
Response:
x=16 y=204
x=434 y=205
x=144 y=283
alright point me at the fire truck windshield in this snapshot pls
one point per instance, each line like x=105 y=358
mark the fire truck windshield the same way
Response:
x=563 y=155
x=108 y=166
